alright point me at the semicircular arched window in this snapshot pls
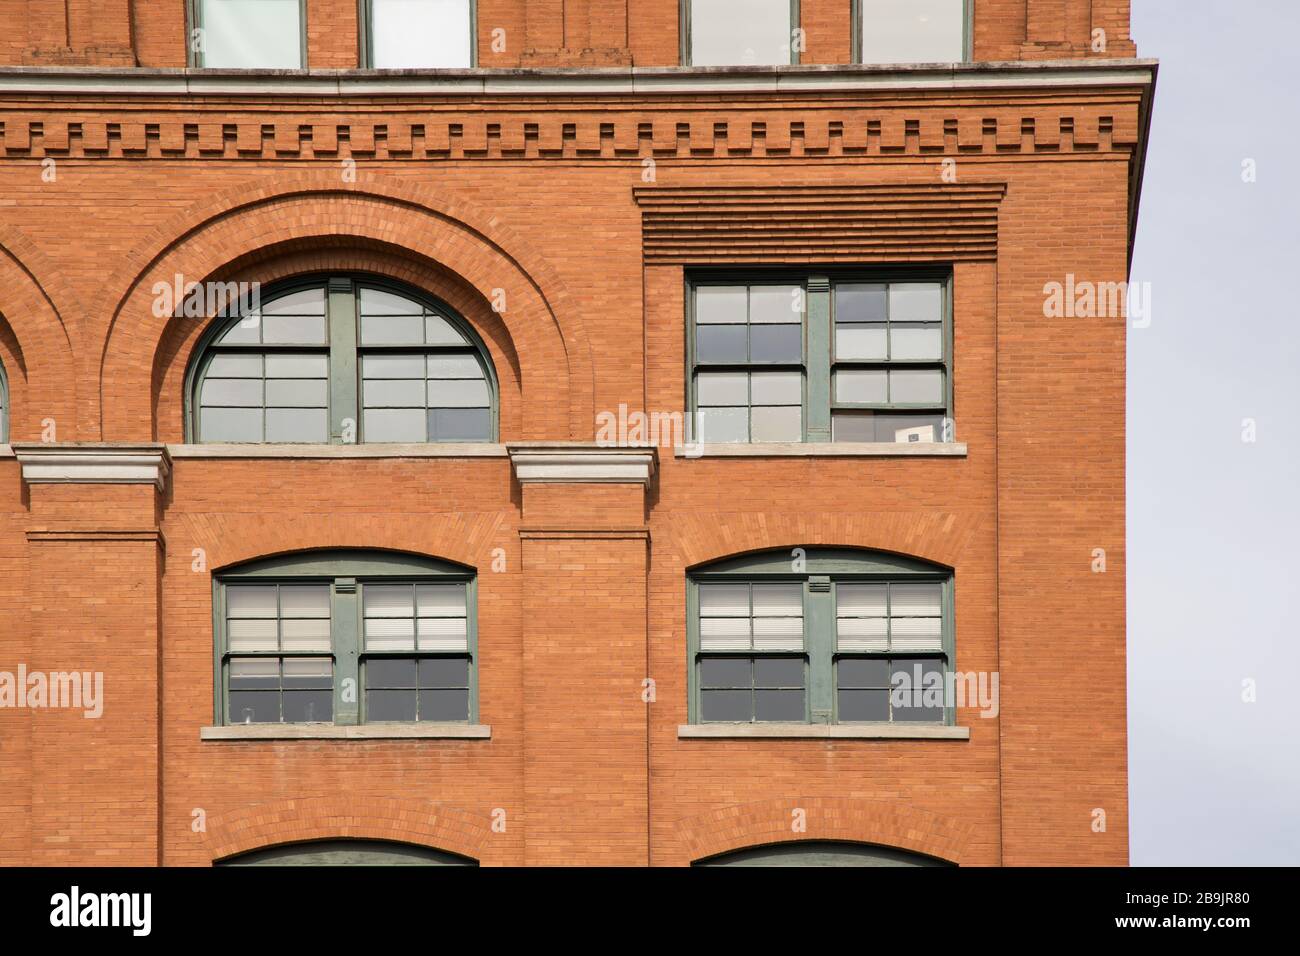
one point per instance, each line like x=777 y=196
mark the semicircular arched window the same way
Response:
x=820 y=636
x=342 y=360
x=4 y=406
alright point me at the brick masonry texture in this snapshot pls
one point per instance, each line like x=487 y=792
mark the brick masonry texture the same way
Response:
x=555 y=203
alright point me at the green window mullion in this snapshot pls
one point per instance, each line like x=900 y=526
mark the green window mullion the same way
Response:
x=819 y=634
x=345 y=625
x=341 y=307
x=818 y=412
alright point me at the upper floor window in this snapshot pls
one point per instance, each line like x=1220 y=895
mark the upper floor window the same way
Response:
x=838 y=637
x=739 y=32
x=856 y=357
x=910 y=31
x=346 y=638
x=248 y=34
x=417 y=34
x=343 y=360
x=4 y=405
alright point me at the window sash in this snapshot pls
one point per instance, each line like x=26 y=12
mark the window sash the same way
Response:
x=861 y=19
x=199 y=57
x=687 y=31
x=373 y=29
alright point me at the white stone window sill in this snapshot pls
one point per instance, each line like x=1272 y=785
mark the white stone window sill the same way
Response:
x=6 y=451
x=376 y=450
x=823 y=731
x=829 y=449
x=429 y=731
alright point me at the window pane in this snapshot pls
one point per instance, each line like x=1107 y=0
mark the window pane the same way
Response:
x=388 y=600
x=297 y=425
x=253 y=707
x=303 y=302
x=911 y=697
x=444 y=672
x=395 y=425
x=853 y=426
x=392 y=330
x=886 y=426
x=247 y=331
x=251 y=600
x=443 y=634
x=454 y=366
x=858 y=302
x=778 y=600
x=725 y=634
x=777 y=424
x=391 y=672
x=297 y=392
x=723 y=388
x=724 y=425
x=393 y=366
x=235 y=366
x=297 y=366
x=305 y=600
x=862 y=672
x=305 y=635
x=720 y=303
x=775 y=304
x=913 y=634
x=777 y=388
x=729 y=600
x=308 y=673
x=776 y=343
x=379 y=302
x=778 y=634
x=444 y=704
x=390 y=634
x=737 y=32
x=420 y=34
x=861 y=600
x=862 y=634
x=915 y=599
x=394 y=393
x=857 y=705
x=247 y=634
x=916 y=341
x=459 y=393
x=916 y=386
x=293 y=329
x=240 y=392
x=865 y=386
x=860 y=341
x=390 y=705
x=782 y=705
x=720 y=343
x=778 y=672
x=729 y=705
x=460 y=424
x=913 y=31
x=915 y=302
x=440 y=600
x=252 y=34
x=438 y=331
x=725 y=672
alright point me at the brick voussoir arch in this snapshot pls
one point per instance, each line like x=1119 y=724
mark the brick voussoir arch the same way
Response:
x=846 y=819
x=451 y=232
x=303 y=819
x=39 y=307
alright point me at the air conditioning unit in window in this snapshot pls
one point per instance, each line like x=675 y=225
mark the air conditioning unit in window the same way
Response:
x=923 y=433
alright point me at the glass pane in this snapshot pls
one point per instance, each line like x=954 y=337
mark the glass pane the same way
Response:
x=297 y=425
x=915 y=302
x=916 y=386
x=305 y=600
x=307 y=634
x=393 y=393
x=232 y=391
x=724 y=600
x=720 y=303
x=776 y=343
x=254 y=674
x=251 y=600
x=783 y=705
x=862 y=672
x=460 y=424
x=858 y=302
x=388 y=600
x=297 y=366
x=247 y=331
x=444 y=705
x=724 y=425
x=253 y=707
x=443 y=634
x=725 y=672
x=459 y=393
x=392 y=366
x=252 y=34
x=862 y=386
x=862 y=634
x=722 y=388
x=855 y=705
x=396 y=425
x=913 y=31
x=438 y=331
x=729 y=705
x=392 y=330
x=454 y=366
x=420 y=34
x=293 y=329
x=778 y=600
x=887 y=426
x=248 y=634
x=778 y=672
x=729 y=634
x=720 y=343
x=913 y=634
x=230 y=424
x=776 y=388
x=853 y=426
x=915 y=599
x=861 y=600
x=233 y=365
x=390 y=634
x=444 y=672
x=394 y=672
x=738 y=32
x=384 y=705
x=303 y=302
x=297 y=392
x=860 y=341
x=308 y=673
x=777 y=424
x=916 y=341
x=379 y=302
x=778 y=633
x=776 y=304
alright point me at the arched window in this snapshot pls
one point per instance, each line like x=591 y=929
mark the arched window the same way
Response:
x=4 y=405
x=348 y=852
x=820 y=636
x=342 y=360
x=821 y=853
x=297 y=635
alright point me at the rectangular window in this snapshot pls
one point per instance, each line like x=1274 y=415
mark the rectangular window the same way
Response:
x=419 y=34
x=751 y=641
x=880 y=629
x=911 y=31
x=295 y=651
x=857 y=358
x=248 y=34
x=739 y=32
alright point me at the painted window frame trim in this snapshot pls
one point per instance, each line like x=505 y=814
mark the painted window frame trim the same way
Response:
x=684 y=32
x=819 y=343
x=365 y=48
x=344 y=370
x=351 y=567
x=856 y=24
x=194 y=21
x=833 y=565
x=6 y=409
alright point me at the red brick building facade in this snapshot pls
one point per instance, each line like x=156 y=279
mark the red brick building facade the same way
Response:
x=562 y=198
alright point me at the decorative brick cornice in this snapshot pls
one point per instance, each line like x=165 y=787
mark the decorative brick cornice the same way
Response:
x=824 y=223
x=94 y=464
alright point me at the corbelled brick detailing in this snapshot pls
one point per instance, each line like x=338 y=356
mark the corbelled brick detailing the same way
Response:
x=820 y=223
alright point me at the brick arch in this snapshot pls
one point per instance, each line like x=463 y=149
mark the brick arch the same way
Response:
x=346 y=816
x=36 y=308
x=895 y=825
x=301 y=211
x=703 y=538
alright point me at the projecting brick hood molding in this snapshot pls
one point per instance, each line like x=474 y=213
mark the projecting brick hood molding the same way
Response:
x=698 y=224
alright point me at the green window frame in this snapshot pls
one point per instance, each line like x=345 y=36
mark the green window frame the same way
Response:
x=353 y=648
x=894 y=382
x=857 y=14
x=366 y=32
x=4 y=406
x=337 y=353
x=685 y=32
x=194 y=20
x=842 y=661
